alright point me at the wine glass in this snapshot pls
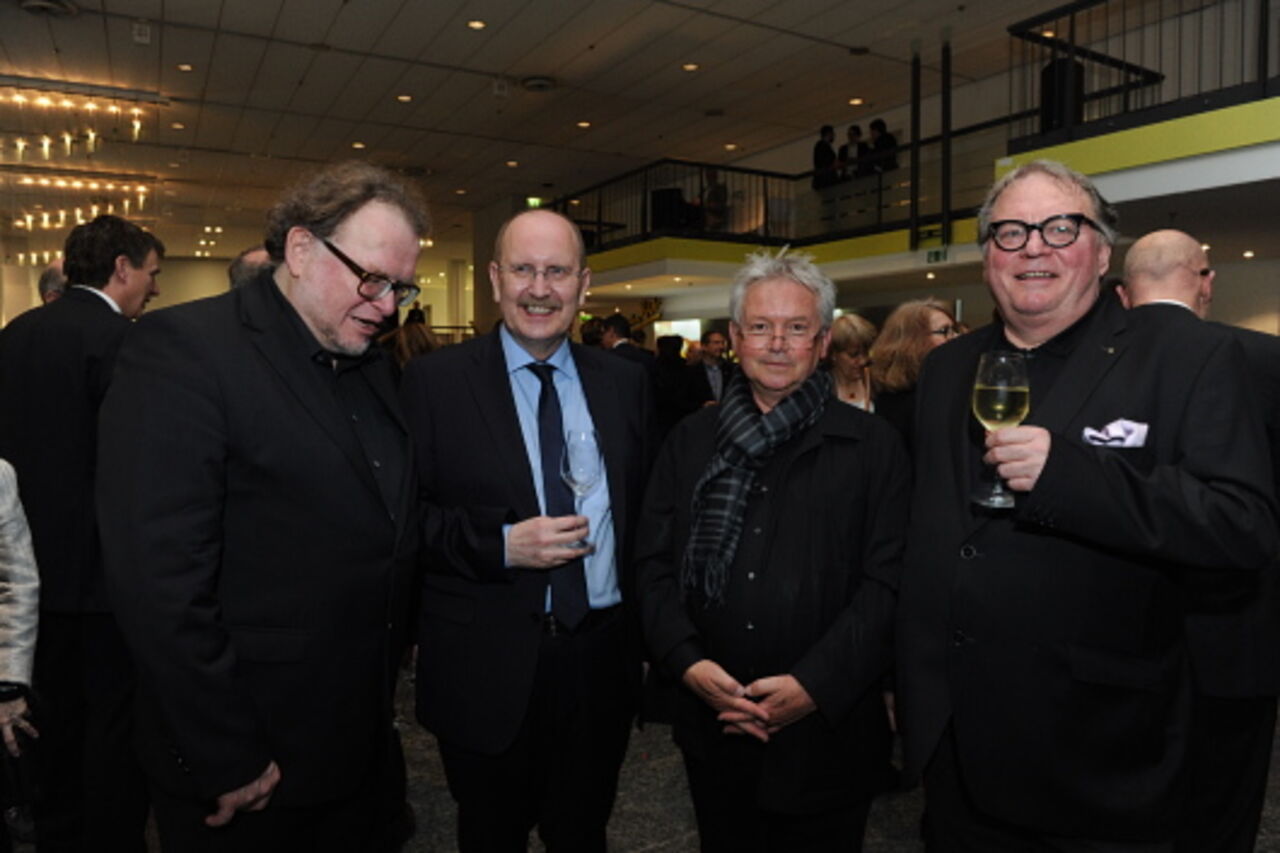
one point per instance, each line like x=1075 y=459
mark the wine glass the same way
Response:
x=581 y=467
x=1001 y=398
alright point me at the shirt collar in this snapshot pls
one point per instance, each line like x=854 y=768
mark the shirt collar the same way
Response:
x=517 y=357
x=97 y=291
x=307 y=342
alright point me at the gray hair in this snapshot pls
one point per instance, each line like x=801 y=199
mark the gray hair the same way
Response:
x=797 y=267
x=51 y=281
x=1103 y=213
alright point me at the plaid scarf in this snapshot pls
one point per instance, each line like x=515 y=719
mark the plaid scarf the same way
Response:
x=745 y=439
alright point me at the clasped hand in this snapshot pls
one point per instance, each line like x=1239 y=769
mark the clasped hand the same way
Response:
x=760 y=709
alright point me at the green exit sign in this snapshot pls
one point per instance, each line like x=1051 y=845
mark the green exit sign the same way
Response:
x=936 y=256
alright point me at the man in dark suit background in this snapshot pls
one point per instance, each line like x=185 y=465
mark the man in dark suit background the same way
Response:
x=710 y=373
x=617 y=340
x=1042 y=684
x=1233 y=630
x=256 y=497
x=55 y=366
x=528 y=663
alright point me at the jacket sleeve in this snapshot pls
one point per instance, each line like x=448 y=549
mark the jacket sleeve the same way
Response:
x=1209 y=504
x=19 y=584
x=161 y=487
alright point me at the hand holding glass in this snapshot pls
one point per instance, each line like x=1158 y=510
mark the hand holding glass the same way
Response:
x=1001 y=398
x=581 y=468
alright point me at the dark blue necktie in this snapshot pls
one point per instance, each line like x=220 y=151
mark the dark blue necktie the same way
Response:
x=568 y=582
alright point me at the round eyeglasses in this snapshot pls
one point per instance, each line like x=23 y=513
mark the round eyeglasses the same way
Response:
x=373 y=286
x=1057 y=232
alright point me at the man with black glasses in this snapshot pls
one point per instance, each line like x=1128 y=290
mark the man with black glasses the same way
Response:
x=258 y=531
x=528 y=649
x=1042 y=678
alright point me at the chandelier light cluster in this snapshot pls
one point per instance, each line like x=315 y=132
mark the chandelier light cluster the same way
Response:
x=42 y=125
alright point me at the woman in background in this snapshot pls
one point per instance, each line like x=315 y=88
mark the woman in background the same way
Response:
x=849 y=352
x=909 y=334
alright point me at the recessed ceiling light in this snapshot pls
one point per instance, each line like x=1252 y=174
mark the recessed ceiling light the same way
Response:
x=404 y=99
x=477 y=24
x=627 y=286
x=584 y=124
x=185 y=66
x=1248 y=253
x=459 y=192
x=690 y=66
x=511 y=164
x=731 y=146
x=1204 y=247
x=1048 y=34
x=357 y=145
x=930 y=276
x=177 y=125
x=855 y=102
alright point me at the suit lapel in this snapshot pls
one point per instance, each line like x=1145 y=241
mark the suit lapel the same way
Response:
x=1100 y=348
x=497 y=409
x=277 y=340
x=607 y=416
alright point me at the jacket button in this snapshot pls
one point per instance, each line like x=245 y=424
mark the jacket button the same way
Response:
x=968 y=552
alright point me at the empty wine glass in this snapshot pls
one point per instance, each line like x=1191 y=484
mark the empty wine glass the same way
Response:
x=581 y=467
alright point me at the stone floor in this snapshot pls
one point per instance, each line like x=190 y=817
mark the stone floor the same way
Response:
x=653 y=812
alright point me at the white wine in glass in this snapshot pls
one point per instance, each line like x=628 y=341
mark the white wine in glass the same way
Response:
x=1001 y=398
x=581 y=467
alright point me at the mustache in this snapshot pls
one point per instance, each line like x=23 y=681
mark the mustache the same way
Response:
x=540 y=302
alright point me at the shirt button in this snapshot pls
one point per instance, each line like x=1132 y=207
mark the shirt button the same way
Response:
x=968 y=552
x=377 y=464
x=751 y=626
x=751 y=576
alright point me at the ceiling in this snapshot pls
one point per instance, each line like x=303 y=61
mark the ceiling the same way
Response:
x=277 y=87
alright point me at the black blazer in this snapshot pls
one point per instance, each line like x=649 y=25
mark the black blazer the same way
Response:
x=256 y=570
x=481 y=622
x=1233 y=630
x=55 y=365
x=1051 y=637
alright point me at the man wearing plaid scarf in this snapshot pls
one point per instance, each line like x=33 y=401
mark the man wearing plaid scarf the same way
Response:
x=768 y=567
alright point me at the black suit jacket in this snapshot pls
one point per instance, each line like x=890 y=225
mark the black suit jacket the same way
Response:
x=481 y=622
x=256 y=570
x=55 y=365
x=1050 y=637
x=1233 y=629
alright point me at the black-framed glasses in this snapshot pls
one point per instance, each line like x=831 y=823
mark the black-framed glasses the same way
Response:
x=949 y=331
x=1057 y=231
x=373 y=286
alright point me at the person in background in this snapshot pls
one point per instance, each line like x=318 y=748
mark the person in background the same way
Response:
x=768 y=559
x=56 y=364
x=246 y=265
x=670 y=398
x=591 y=332
x=853 y=157
x=52 y=282
x=884 y=147
x=911 y=332
x=824 y=158
x=1233 y=630
x=851 y=338
x=709 y=371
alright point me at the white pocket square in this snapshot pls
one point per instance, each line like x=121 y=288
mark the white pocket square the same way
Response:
x=1118 y=433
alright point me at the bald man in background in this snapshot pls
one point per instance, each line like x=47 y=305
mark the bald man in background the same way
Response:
x=1233 y=625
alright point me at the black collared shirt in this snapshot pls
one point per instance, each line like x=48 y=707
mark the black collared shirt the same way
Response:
x=383 y=442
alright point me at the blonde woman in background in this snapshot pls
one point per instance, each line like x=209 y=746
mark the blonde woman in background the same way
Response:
x=849 y=352
x=909 y=334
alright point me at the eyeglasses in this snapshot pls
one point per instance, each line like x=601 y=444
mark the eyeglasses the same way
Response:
x=945 y=332
x=552 y=273
x=373 y=286
x=1057 y=232
x=799 y=335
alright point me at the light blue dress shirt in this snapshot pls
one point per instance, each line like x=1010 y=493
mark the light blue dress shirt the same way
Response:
x=600 y=566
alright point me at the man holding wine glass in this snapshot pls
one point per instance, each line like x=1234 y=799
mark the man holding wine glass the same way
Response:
x=529 y=662
x=1042 y=678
